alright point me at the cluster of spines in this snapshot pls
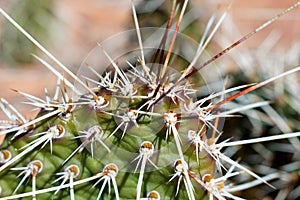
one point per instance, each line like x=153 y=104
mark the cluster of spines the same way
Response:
x=116 y=90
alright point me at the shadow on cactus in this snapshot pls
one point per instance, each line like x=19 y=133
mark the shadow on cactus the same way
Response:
x=140 y=122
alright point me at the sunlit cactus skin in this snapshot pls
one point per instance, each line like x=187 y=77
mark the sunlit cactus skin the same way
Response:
x=137 y=128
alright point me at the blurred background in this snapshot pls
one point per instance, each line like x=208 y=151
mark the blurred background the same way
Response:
x=70 y=29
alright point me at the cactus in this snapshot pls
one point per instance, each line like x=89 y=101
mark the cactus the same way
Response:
x=137 y=123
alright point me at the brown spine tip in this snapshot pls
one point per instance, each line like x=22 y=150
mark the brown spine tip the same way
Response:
x=61 y=131
x=153 y=195
x=5 y=156
x=74 y=170
x=36 y=166
x=146 y=147
x=180 y=165
x=111 y=168
x=207 y=178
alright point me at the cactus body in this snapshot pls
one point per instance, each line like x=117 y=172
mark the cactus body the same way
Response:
x=141 y=126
